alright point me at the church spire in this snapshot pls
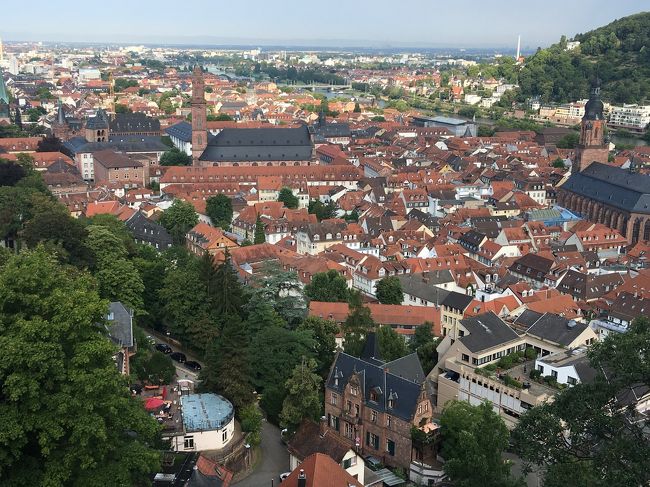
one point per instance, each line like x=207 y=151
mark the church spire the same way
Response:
x=60 y=114
x=199 y=115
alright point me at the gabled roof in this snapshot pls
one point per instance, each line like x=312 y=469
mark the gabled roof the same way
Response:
x=120 y=325
x=375 y=378
x=308 y=440
x=320 y=470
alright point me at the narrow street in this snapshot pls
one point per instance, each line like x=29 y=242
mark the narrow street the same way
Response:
x=275 y=460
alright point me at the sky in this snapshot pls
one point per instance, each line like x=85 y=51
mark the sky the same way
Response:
x=329 y=23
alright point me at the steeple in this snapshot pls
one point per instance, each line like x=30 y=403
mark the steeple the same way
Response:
x=60 y=114
x=199 y=115
x=594 y=107
x=593 y=146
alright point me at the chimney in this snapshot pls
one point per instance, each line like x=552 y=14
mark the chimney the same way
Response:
x=323 y=426
x=302 y=479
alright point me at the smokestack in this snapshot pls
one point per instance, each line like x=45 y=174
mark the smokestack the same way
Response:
x=518 y=47
x=302 y=479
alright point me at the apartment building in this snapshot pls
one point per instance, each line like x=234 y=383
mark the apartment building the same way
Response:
x=629 y=117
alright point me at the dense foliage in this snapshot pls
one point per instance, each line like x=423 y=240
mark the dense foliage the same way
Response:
x=618 y=54
x=590 y=434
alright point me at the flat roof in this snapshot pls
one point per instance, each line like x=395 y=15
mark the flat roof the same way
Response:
x=205 y=412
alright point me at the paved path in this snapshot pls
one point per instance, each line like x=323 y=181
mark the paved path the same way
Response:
x=275 y=460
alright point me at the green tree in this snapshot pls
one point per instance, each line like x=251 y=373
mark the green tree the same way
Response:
x=67 y=415
x=321 y=210
x=283 y=291
x=260 y=236
x=227 y=370
x=356 y=326
x=425 y=344
x=179 y=219
x=275 y=351
x=261 y=315
x=152 y=268
x=152 y=366
x=558 y=163
x=120 y=108
x=175 y=157
x=250 y=418
x=473 y=441
x=389 y=290
x=119 y=280
x=328 y=286
x=303 y=399
x=391 y=345
x=324 y=333
x=230 y=296
x=53 y=226
x=288 y=198
x=219 y=209
x=569 y=141
x=590 y=426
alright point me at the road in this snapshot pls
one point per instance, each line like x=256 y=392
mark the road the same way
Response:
x=275 y=460
x=182 y=372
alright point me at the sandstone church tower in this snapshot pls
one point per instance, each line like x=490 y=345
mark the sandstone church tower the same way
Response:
x=199 y=125
x=592 y=147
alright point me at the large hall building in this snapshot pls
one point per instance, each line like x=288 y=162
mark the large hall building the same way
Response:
x=601 y=193
x=267 y=146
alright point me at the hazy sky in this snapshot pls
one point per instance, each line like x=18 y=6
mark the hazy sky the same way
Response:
x=372 y=23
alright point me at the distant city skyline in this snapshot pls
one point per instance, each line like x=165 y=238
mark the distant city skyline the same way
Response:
x=378 y=24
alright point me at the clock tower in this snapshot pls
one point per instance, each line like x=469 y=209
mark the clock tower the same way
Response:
x=592 y=146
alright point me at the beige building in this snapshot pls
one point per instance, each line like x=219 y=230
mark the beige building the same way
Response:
x=460 y=373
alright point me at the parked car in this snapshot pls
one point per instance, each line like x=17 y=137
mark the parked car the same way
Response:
x=179 y=357
x=164 y=348
x=372 y=463
x=192 y=365
x=283 y=476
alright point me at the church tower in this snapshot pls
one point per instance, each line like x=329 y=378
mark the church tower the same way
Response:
x=592 y=147
x=199 y=115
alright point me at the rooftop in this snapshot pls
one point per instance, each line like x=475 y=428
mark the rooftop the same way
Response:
x=208 y=411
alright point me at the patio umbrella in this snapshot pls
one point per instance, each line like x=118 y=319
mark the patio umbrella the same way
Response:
x=164 y=393
x=153 y=403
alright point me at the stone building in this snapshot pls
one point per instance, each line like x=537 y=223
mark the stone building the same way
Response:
x=615 y=197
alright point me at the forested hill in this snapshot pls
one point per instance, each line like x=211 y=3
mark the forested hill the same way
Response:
x=618 y=54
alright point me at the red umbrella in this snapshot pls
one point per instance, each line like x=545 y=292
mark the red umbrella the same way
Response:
x=153 y=403
x=164 y=392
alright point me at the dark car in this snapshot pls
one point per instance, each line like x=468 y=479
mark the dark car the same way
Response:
x=192 y=365
x=164 y=348
x=179 y=357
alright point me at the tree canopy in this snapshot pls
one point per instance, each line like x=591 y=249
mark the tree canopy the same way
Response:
x=289 y=199
x=473 y=441
x=589 y=434
x=389 y=290
x=219 y=209
x=328 y=286
x=175 y=157
x=303 y=399
x=178 y=219
x=67 y=415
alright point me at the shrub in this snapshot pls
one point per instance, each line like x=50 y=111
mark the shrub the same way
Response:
x=535 y=374
x=510 y=382
x=531 y=354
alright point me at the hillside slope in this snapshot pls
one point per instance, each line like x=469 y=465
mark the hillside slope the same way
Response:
x=618 y=54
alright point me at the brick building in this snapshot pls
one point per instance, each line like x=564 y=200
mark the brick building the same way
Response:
x=372 y=405
x=115 y=168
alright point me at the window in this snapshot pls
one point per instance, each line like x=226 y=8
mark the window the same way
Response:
x=465 y=357
x=571 y=380
x=554 y=374
x=541 y=369
x=373 y=416
x=390 y=447
x=349 y=406
x=372 y=440
x=224 y=436
x=356 y=410
x=389 y=421
x=348 y=430
x=334 y=399
x=353 y=391
x=334 y=422
x=188 y=444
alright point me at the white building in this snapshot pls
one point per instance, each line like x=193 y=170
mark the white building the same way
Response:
x=568 y=367
x=634 y=117
x=208 y=423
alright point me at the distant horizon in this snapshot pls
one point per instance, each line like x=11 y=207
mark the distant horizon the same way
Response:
x=413 y=24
